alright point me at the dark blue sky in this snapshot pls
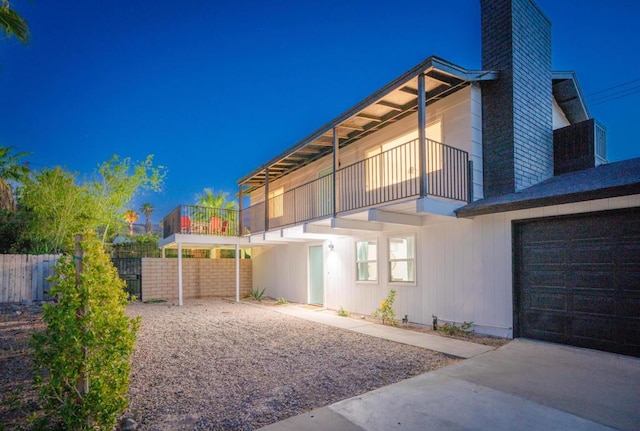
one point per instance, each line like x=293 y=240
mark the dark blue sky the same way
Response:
x=216 y=88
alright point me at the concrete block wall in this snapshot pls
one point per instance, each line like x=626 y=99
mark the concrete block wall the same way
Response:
x=517 y=107
x=201 y=278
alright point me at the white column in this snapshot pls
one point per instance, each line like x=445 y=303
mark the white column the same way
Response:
x=179 y=274
x=237 y=273
x=422 y=138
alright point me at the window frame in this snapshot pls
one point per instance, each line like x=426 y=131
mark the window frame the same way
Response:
x=410 y=261
x=369 y=260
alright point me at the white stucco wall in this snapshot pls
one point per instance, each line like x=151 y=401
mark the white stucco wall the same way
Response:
x=464 y=270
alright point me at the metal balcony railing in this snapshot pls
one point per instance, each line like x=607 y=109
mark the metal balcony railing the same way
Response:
x=385 y=177
x=198 y=220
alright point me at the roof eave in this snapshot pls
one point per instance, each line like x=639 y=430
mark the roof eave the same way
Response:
x=576 y=90
x=430 y=63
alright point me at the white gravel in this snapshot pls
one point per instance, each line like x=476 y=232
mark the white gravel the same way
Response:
x=217 y=365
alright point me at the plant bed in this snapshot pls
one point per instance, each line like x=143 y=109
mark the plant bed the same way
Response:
x=472 y=337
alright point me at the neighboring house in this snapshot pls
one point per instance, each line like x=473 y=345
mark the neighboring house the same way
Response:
x=478 y=195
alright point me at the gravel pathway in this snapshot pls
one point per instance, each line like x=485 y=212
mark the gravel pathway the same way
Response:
x=216 y=365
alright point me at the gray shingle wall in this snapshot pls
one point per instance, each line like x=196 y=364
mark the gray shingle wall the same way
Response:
x=517 y=111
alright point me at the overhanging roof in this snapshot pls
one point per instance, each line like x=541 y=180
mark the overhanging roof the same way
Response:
x=605 y=181
x=567 y=93
x=390 y=104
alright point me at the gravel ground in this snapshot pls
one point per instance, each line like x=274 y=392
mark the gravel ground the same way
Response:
x=17 y=399
x=217 y=365
x=224 y=366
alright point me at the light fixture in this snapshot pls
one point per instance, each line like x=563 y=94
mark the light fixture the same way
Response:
x=330 y=246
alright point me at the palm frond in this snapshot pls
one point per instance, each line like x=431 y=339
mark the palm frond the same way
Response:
x=14 y=24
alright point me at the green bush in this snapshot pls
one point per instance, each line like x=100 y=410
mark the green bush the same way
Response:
x=88 y=337
x=257 y=294
x=386 y=312
x=343 y=313
x=453 y=329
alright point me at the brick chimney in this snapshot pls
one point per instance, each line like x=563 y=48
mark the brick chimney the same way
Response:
x=517 y=107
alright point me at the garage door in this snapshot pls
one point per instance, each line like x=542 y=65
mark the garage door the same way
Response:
x=577 y=280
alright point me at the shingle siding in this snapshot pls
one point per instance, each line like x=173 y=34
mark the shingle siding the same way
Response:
x=517 y=107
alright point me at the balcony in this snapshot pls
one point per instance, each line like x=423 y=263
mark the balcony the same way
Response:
x=198 y=220
x=386 y=177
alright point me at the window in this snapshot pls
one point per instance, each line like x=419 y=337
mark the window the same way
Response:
x=402 y=256
x=367 y=261
x=276 y=203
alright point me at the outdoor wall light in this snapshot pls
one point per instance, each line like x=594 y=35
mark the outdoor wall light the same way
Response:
x=330 y=246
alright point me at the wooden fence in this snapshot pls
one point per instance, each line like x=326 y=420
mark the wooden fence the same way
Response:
x=23 y=277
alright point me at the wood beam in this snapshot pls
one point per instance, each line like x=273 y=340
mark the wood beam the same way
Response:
x=349 y=126
x=390 y=105
x=369 y=117
x=409 y=90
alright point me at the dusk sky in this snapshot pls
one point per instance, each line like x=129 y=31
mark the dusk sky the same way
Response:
x=216 y=88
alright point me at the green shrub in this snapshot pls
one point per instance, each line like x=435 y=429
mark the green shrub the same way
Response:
x=386 y=312
x=453 y=329
x=281 y=301
x=88 y=338
x=257 y=294
x=343 y=313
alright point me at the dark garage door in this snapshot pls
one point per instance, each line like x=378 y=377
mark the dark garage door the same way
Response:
x=577 y=280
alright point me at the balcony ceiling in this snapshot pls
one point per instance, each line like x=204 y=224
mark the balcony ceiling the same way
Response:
x=388 y=105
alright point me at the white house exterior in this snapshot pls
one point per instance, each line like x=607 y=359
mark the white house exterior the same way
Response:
x=459 y=220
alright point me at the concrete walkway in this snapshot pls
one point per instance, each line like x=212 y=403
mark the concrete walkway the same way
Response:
x=449 y=346
x=525 y=385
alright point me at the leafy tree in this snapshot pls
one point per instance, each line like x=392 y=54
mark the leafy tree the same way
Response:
x=58 y=209
x=82 y=358
x=10 y=170
x=13 y=24
x=116 y=182
x=217 y=204
x=14 y=228
x=131 y=217
x=218 y=200
x=147 y=209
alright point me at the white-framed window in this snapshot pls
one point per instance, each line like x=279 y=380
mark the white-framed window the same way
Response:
x=276 y=203
x=402 y=259
x=366 y=261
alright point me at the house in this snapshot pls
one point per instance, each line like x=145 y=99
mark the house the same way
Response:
x=480 y=196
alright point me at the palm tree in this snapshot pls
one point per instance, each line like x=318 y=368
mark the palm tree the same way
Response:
x=10 y=170
x=131 y=217
x=12 y=23
x=217 y=206
x=147 y=209
x=217 y=200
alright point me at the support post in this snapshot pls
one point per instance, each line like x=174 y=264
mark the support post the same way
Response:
x=179 y=274
x=470 y=181
x=266 y=199
x=237 y=273
x=336 y=149
x=422 y=139
x=240 y=227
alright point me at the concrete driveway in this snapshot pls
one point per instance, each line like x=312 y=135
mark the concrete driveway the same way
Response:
x=525 y=385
